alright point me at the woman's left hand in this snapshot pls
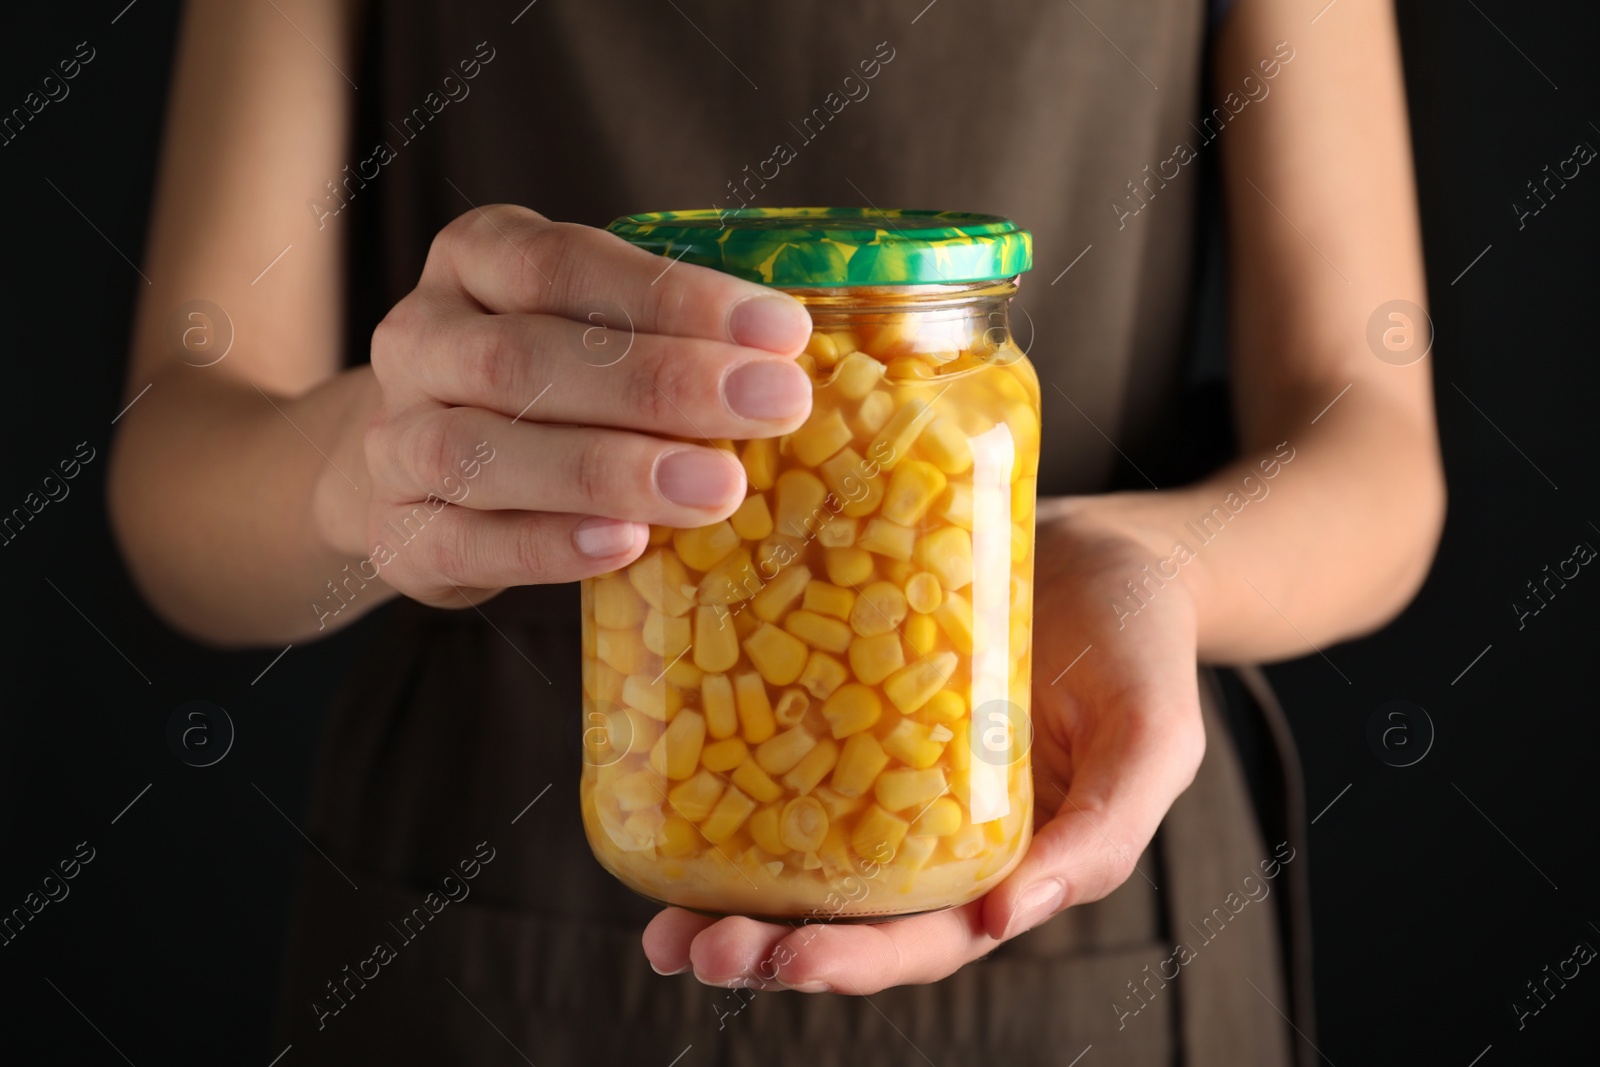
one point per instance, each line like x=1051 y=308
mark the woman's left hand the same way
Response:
x=1116 y=738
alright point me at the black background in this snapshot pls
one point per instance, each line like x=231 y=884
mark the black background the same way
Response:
x=1429 y=918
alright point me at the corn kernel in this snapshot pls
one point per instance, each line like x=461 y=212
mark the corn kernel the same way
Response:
x=944 y=443
x=818 y=631
x=664 y=635
x=729 y=814
x=705 y=546
x=617 y=605
x=722 y=756
x=894 y=440
x=901 y=790
x=845 y=342
x=1021 y=542
x=639 y=790
x=676 y=752
x=955 y=505
x=921 y=633
x=897 y=572
x=755 y=709
x=873 y=659
x=764 y=830
x=966 y=843
x=877 y=834
x=716 y=643
x=1022 y=500
x=880 y=609
x=944 y=706
x=753 y=520
x=915 y=485
x=732 y=580
x=855 y=482
x=799 y=495
x=954 y=617
x=745 y=623
x=836 y=804
x=825 y=599
x=792 y=707
x=753 y=780
x=923 y=592
x=873 y=413
x=822 y=348
x=661 y=579
x=822 y=675
x=912 y=743
x=779 y=656
x=778 y=755
x=857 y=375
x=774 y=602
x=813 y=767
x=659 y=535
x=677 y=836
x=716 y=700
x=912 y=686
x=638 y=832
x=888 y=539
x=602 y=681
x=695 y=798
x=861 y=760
x=804 y=824
x=909 y=368
x=941 y=818
x=848 y=566
x=947 y=552
x=656 y=699
x=819 y=438
x=840 y=532
x=621 y=650
x=851 y=709
x=916 y=851
x=760 y=459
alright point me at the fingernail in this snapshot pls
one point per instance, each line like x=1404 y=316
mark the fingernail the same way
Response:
x=599 y=538
x=774 y=322
x=1037 y=903
x=767 y=389
x=698 y=477
x=812 y=987
x=667 y=974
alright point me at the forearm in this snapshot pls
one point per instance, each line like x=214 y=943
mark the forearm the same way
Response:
x=1323 y=537
x=235 y=508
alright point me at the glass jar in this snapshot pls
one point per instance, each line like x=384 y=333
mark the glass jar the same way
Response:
x=818 y=708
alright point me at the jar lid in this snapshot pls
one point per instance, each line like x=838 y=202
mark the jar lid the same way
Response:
x=804 y=247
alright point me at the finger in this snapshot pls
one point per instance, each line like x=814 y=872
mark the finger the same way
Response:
x=668 y=936
x=510 y=259
x=550 y=369
x=430 y=555
x=1120 y=792
x=861 y=960
x=578 y=470
x=736 y=951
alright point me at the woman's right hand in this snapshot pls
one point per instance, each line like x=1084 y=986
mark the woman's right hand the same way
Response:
x=581 y=366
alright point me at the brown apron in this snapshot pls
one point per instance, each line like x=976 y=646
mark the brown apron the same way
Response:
x=455 y=748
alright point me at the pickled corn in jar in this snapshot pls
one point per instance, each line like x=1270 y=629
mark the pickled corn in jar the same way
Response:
x=818 y=708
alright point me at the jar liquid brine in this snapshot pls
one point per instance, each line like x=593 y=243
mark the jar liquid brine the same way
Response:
x=818 y=708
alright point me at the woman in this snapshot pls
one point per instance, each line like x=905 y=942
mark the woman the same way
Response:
x=327 y=182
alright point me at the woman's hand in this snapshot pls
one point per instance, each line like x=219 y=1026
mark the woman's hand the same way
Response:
x=542 y=378
x=1117 y=737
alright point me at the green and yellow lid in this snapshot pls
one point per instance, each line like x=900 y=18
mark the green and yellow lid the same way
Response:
x=806 y=247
